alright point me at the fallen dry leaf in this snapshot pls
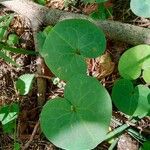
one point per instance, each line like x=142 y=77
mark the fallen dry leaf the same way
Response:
x=101 y=66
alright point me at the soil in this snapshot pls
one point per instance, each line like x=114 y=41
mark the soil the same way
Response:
x=29 y=110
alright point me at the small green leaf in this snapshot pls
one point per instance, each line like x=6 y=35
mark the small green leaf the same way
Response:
x=2 y=33
x=8 y=115
x=102 y=12
x=80 y=39
x=133 y=61
x=7 y=59
x=41 y=2
x=141 y=7
x=81 y=119
x=13 y=39
x=24 y=83
x=6 y=20
x=131 y=101
x=17 y=146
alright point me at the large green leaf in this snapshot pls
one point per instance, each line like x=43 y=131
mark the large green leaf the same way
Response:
x=130 y=100
x=133 y=61
x=81 y=119
x=68 y=43
x=24 y=83
x=141 y=7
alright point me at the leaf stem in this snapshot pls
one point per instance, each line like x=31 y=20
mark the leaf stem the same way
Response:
x=117 y=131
x=112 y=146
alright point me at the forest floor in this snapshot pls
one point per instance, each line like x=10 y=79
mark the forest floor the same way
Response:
x=104 y=68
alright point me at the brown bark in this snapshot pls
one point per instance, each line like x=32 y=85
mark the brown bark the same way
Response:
x=115 y=30
x=130 y=34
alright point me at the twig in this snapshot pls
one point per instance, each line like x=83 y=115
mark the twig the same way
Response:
x=43 y=76
x=116 y=131
x=32 y=136
x=112 y=146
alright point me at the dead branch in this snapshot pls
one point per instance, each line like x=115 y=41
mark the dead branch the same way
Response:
x=26 y=146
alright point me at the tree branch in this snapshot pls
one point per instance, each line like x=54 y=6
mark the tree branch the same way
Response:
x=114 y=30
x=130 y=34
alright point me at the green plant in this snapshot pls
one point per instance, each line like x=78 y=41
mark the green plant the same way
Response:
x=7 y=44
x=131 y=100
x=128 y=98
x=8 y=117
x=76 y=121
x=102 y=12
x=138 y=59
x=41 y=2
x=127 y=95
x=81 y=119
x=78 y=118
x=13 y=40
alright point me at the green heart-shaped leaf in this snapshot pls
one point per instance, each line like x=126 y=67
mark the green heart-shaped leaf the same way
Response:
x=141 y=7
x=133 y=61
x=81 y=119
x=68 y=43
x=130 y=100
